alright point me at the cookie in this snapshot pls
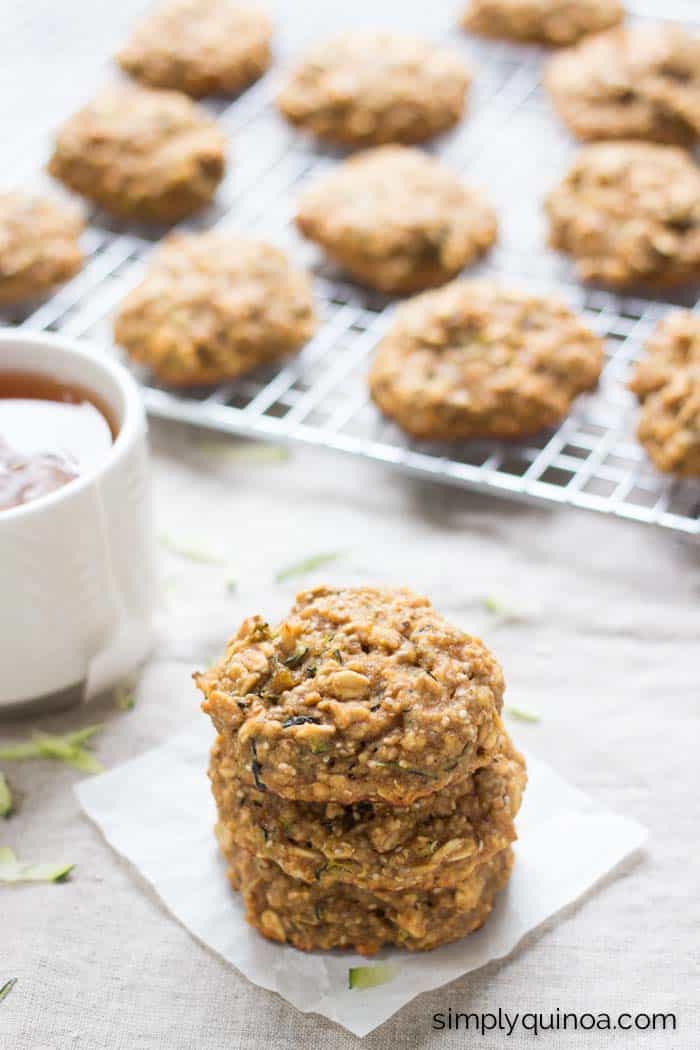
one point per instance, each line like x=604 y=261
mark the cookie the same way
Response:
x=213 y=306
x=312 y=918
x=397 y=220
x=629 y=215
x=637 y=83
x=201 y=47
x=153 y=156
x=435 y=842
x=39 y=245
x=369 y=89
x=476 y=360
x=554 y=22
x=667 y=383
x=669 y=425
x=360 y=694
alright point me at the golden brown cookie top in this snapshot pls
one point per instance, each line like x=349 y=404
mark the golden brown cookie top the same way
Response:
x=39 y=244
x=370 y=88
x=667 y=383
x=153 y=155
x=556 y=22
x=360 y=693
x=669 y=424
x=397 y=219
x=382 y=200
x=629 y=212
x=477 y=359
x=200 y=47
x=635 y=83
x=137 y=124
x=213 y=305
x=673 y=347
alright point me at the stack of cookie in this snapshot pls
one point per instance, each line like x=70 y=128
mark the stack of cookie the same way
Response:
x=365 y=786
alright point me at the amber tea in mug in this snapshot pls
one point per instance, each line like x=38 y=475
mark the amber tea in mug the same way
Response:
x=51 y=433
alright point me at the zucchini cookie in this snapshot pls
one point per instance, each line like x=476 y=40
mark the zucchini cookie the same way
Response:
x=360 y=694
x=212 y=306
x=201 y=47
x=667 y=383
x=554 y=22
x=153 y=156
x=397 y=220
x=369 y=89
x=476 y=360
x=313 y=917
x=39 y=245
x=435 y=842
x=637 y=83
x=629 y=214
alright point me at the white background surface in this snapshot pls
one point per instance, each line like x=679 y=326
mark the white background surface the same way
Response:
x=607 y=655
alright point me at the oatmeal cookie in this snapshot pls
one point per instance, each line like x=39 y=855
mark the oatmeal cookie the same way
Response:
x=475 y=359
x=673 y=347
x=397 y=220
x=369 y=89
x=637 y=83
x=436 y=842
x=554 y=22
x=629 y=214
x=201 y=47
x=360 y=694
x=669 y=425
x=212 y=306
x=153 y=156
x=39 y=245
x=667 y=383
x=311 y=918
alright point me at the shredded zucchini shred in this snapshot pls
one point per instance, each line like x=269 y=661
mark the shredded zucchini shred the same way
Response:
x=5 y=797
x=300 y=568
x=13 y=870
x=360 y=977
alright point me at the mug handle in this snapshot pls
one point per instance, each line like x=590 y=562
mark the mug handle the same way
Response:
x=126 y=530
x=58 y=601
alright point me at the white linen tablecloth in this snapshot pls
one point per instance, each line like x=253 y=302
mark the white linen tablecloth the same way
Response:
x=606 y=654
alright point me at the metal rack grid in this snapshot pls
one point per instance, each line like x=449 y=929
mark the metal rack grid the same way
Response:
x=591 y=460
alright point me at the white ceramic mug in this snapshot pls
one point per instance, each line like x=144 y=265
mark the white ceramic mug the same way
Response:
x=76 y=566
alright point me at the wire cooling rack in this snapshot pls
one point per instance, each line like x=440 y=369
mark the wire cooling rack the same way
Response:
x=510 y=143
